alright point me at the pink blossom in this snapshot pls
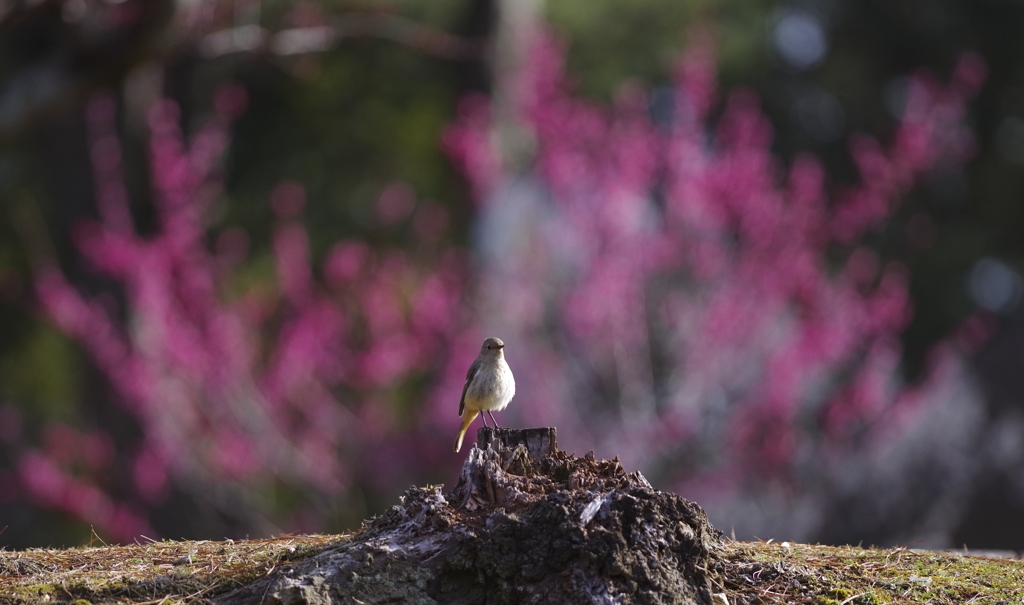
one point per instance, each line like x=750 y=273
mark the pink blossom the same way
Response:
x=288 y=199
x=728 y=280
x=395 y=204
x=345 y=261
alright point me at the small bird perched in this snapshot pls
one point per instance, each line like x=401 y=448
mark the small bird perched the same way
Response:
x=489 y=387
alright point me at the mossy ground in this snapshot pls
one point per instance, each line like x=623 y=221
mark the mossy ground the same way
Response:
x=751 y=572
x=155 y=572
x=824 y=575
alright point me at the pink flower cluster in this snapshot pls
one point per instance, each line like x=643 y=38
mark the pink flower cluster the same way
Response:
x=240 y=389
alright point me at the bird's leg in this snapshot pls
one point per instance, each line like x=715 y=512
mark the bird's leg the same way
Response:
x=492 y=418
x=485 y=420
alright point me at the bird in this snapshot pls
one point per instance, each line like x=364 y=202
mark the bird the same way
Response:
x=489 y=387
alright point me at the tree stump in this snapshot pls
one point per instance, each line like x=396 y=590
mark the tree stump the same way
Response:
x=539 y=443
x=527 y=523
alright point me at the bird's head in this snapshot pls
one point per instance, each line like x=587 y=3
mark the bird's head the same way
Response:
x=492 y=347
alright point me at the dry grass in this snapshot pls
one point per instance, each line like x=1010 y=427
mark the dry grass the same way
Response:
x=155 y=572
x=824 y=575
x=752 y=572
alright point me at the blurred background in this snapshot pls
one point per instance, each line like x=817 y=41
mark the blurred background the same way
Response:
x=768 y=253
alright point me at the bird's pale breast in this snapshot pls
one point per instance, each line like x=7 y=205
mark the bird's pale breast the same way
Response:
x=492 y=387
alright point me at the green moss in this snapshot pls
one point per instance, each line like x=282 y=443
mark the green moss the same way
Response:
x=840 y=593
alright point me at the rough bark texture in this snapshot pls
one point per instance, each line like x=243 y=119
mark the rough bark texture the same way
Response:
x=527 y=523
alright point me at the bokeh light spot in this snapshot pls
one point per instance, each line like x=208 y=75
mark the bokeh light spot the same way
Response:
x=800 y=39
x=994 y=285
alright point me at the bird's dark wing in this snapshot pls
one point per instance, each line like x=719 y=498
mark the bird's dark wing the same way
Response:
x=473 y=369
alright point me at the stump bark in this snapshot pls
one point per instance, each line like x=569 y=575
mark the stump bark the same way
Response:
x=527 y=523
x=539 y=443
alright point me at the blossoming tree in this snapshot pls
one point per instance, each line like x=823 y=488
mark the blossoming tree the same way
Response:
x=669 y=291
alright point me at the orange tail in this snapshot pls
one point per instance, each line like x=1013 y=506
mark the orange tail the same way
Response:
x=467 y=420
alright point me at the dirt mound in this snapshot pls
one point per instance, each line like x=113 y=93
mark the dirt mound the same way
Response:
x=526 y=524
